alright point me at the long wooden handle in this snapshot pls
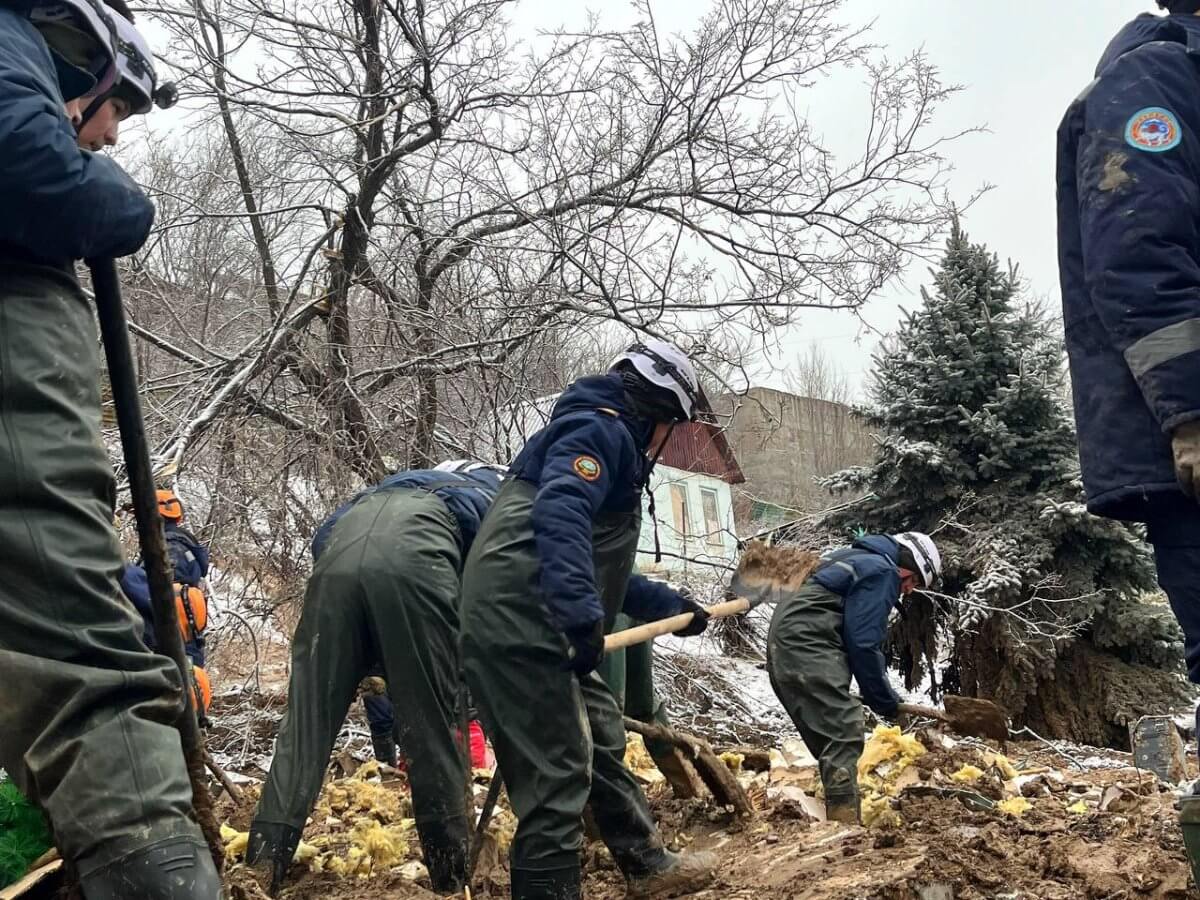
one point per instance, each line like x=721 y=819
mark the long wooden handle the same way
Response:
x=629 y=637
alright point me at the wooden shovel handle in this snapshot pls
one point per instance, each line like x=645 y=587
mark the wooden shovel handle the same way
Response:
x=618 y=640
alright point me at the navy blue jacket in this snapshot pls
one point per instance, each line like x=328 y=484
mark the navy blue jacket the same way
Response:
x=137 y=588
x=60 y=203
x=188 y=555
x=867 y=576
x=1129 y=257
x=466 y=495
x=588 y=461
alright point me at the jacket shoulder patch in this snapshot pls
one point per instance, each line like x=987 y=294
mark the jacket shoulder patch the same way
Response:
x=1154 y=130
x=587 y=468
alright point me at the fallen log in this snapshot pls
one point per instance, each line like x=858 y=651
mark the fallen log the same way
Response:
x=713 y=772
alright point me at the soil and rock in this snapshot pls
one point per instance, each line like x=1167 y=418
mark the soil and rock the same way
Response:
x=964 y=820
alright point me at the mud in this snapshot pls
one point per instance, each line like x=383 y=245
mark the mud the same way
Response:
x=1065 y=847
x=785 y=567
x=975 y=717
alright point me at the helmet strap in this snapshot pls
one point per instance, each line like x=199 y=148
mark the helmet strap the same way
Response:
x=94 y=107
x=650 y=493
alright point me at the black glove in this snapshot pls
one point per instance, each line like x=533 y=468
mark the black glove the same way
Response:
x=586 y=648
x=699 y=616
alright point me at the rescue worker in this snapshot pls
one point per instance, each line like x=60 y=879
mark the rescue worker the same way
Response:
x=384 y=592
x=832 y=628
x=189 y=558
x=87 y=713
x=135 y=93
x=1129 y=259
x=548 y=574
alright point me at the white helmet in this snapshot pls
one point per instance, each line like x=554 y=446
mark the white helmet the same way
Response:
x=666 y=366
x=925 y=553
x=466 y=466
x=81 y=32
x=138 y=82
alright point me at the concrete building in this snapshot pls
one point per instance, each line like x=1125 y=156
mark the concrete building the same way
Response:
x=783 y=443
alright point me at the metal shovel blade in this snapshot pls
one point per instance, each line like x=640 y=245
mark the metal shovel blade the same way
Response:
x=976 y=717
x=765 y=573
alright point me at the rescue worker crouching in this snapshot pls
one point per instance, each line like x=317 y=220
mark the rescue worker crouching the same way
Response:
x=834 y=628
x=551 y=569
x=384 y=594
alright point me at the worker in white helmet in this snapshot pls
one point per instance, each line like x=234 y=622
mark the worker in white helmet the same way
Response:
x=834 y=628
x=548 y=574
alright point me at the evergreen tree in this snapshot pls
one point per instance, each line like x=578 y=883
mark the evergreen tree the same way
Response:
x=1042 y=606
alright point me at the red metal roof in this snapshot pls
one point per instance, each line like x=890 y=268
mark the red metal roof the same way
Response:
x=701 y=447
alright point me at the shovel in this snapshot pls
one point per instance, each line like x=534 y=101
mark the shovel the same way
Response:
x=968 y=716
x=114 y=332
x=762 y=576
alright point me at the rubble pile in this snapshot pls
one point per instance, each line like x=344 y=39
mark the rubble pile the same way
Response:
x=944 y=818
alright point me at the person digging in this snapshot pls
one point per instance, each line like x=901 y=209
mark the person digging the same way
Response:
x=384 y=594
x=833 y=628
x=548 y=574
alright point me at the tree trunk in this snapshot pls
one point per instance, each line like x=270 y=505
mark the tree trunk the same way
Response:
x=1086 y=695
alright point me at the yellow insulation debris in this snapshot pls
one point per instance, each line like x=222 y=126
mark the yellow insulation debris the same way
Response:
x=1014 y=806
x=888 y=753
x=887 y=744
x=1078 y=808
x=1002 y=764
x=876 y=812
x=236 y=842
x=733 y=761
x=967 y=774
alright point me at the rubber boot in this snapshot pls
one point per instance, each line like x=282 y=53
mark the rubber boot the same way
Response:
x=271 y=849
x=175 y=869
x=444 y=844
x=685 y=873
x=384 y=746
x=1189 y=820
x=547 y=884
x=846 y=813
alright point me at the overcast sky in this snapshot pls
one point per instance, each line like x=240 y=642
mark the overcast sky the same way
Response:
x=1020 y=62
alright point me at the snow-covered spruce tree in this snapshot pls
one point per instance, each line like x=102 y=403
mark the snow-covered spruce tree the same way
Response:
x=1042 y=606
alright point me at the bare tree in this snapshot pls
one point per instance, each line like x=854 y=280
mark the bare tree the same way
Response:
x=390 y=218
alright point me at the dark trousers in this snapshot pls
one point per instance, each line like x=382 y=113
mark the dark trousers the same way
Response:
x=87 y=713
x=806 y=659
x=1175 y=536
x=559 y=739
x=386 y=589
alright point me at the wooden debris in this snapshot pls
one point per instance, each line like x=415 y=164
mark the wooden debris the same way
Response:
x=713 y=772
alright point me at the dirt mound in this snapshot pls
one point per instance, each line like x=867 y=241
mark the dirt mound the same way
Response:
x=963 y=822
x=787 y=567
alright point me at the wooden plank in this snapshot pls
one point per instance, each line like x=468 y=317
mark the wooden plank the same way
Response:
x=30 y=881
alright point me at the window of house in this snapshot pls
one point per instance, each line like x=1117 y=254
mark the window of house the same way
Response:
x=712 y=518
x=679 y=509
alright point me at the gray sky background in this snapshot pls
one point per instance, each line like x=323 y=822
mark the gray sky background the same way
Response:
x=1020 y=63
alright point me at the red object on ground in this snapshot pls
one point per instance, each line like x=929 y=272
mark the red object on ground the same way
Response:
x=481 y=753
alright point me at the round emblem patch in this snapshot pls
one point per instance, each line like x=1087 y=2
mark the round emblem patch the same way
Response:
x=1154 y=130
x=587 y=468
